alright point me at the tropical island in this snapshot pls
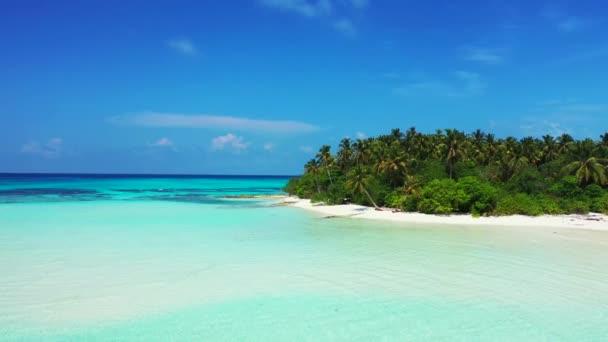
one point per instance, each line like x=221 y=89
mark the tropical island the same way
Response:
x=450 y=172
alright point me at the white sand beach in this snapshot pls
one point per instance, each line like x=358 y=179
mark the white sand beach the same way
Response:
x=592 y=221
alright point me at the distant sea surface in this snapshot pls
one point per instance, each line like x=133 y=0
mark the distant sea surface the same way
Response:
x=161 y=258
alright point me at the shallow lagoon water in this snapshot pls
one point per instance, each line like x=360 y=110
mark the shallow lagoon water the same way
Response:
x=123 y=267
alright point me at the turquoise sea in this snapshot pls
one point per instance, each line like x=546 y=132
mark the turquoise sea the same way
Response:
x=165 y=258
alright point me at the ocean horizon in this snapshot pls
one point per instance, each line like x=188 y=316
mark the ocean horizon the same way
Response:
x=137 y=175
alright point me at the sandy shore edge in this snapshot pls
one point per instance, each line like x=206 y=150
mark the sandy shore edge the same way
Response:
x=592 y=221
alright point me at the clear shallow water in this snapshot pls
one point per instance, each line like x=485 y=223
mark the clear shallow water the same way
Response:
x=125 y=267
x=195 y=189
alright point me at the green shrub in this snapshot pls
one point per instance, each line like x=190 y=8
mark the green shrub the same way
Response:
x=466 y=169
x=440 y=196
x=490 y=173
x=528 y=180
x=573 y=206
x=430 y=170
x=469 y=194
x=336 y=192
x=411 y=203
x=552 y=170
x=303 y=187
x=476 y=196
x=291 y=186
x=518 y=204
x=395 y=199
x=318 y=197
x=600 y=204
x=594 y=191
x=432 y=206
x=378 y=190
x=549 y=205
x=567 y=187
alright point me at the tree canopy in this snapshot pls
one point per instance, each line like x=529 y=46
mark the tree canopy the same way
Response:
x=450 y=171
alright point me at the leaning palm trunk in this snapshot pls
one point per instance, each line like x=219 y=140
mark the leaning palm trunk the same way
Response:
x=370 y=199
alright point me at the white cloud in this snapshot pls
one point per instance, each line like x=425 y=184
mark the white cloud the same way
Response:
x=163 y=142
x=345 y=27
x=268 y=146
x=483 y=55
x=237 y=143
x=306 y=149
x=52 y=149
x=361 y=135
x=183 y=45
x=558 y=116
x=306 y=8
x=461 y=84
x=537 y=127
x=319 y=9
x=154 y=119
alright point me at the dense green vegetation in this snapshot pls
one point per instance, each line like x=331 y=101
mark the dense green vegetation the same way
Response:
x=453 y=172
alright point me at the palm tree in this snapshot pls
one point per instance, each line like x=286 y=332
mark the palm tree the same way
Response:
x=478 y=147
x=357 y=182
x=604 y=138
x=564 y=141
x=410 y=134
x=590 y=170
x=312 y=168
x=411 y=186
x=517 y=163
x=508 y=160
x=604 y=144
x=345 y=155
x=325 y=158
x=396 y=134
x=362 y=151
x=379 y=152
x=550 y=148
x=530 y=150
x=492 y=147
x=418 y=147
x=587 y=167
x=393 y=163
x=436 y=145
x=454 y=141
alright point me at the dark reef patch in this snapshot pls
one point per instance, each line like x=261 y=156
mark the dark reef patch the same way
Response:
x=46 y=192
x=30 y=195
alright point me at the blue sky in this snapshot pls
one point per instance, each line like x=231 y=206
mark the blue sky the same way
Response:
x=256 y=86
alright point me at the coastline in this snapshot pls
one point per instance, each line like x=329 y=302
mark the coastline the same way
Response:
x=591 y=221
